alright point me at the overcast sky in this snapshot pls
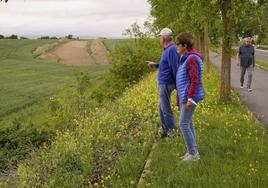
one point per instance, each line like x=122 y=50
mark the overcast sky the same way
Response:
x=107 y=18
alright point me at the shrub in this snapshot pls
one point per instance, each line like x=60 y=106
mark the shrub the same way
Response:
x=129 y=66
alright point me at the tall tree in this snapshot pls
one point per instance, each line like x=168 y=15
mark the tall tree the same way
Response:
x=248 y=18
x=194 y=16
x=225 y=92
x=263 y=34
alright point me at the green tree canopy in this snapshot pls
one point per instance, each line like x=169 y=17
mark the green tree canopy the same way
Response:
x=248 y=16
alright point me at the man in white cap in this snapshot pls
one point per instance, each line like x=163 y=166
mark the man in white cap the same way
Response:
x=168 y=67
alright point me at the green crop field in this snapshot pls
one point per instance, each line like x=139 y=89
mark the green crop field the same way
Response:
x=26 y=85
x=26 y=81
x=110 y=44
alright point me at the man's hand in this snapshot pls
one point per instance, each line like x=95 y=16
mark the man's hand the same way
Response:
x=152 y=64
x=238 y=59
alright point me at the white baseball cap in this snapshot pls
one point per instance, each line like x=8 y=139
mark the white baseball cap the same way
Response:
x=166 y=32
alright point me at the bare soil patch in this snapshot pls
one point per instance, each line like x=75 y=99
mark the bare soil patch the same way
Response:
x=74 y=53
x=99 y=52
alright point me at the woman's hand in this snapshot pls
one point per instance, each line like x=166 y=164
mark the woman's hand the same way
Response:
x=189 y=105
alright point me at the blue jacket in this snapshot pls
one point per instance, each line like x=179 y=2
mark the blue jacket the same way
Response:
x=168 y=66
x=183 y=81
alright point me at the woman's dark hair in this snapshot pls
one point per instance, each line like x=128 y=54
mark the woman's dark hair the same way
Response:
x=187 y=39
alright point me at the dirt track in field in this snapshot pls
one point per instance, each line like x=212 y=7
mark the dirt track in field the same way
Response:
x=75 y=53
x=99 y=52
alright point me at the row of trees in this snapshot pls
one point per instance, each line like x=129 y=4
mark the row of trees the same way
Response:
x=42 y=37
x=67 y=37
x=17 y=37
x=47 y=37
x=9 y=37
x=223 y=21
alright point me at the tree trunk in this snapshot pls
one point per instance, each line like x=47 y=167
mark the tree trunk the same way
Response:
x=225 y=93
x=202 y=44
x=206 y=41
x=197 y=43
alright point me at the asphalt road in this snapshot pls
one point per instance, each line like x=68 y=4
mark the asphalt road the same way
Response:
x=257 y=99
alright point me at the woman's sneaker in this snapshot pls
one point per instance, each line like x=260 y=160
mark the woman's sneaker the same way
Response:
x=190 y=157
x=185 y=155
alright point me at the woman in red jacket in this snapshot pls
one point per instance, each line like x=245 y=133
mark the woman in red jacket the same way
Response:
x=190 y=91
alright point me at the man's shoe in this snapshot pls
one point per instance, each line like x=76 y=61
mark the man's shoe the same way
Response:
x=163 y=135
x=241 y=86
x=174 y=134
x=190 y=157
x=249 y=89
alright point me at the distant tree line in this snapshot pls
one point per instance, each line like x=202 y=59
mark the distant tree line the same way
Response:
x=17 y=37
x=42 y=37
x=47 y=37
x=66 y=37
x=9 y=37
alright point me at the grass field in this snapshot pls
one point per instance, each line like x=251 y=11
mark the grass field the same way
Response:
x=263 y=64
x=27 y=83
x=112 y=145
x=111 y=43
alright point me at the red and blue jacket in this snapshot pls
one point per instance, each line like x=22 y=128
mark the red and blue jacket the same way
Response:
x=189 y=77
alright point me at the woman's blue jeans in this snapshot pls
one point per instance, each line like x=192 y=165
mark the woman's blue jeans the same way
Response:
x=187 y=128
